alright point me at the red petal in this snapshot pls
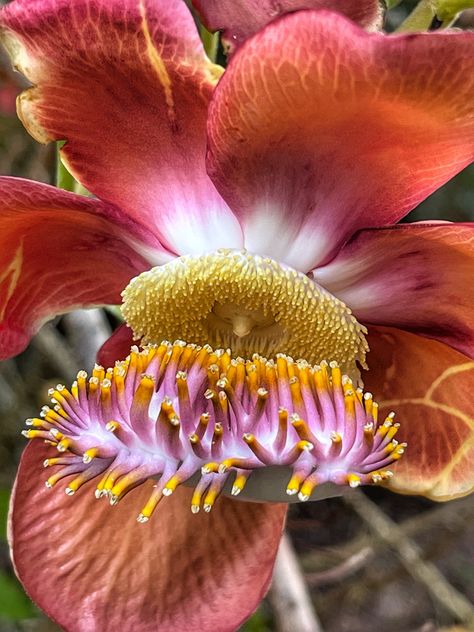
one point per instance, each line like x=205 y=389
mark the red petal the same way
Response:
x=93 y=567
x=318 y=129
x=127 y=84
x=117 y=347
x=239 y=19
x=58 y=251
x=429 y=386
x=412 y=276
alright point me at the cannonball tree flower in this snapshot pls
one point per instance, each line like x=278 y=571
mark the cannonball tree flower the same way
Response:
x=281 y=245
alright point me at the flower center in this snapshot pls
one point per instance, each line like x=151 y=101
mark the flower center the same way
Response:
x=247 y=303
x=179 y=412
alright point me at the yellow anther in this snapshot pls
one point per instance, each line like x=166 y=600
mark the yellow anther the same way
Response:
x=369 y=432
x=210 y=499
x=196 y=501
x=375 y=411
x=210 y=467
x=353 y=480
x=392 y=431
x=240 y=482
x=150 y=507
x=75 y=484
x=307 y=488
x=89 y=455
x=294 y=484
x=32 y=434
x=112 y=426
x=98 y=372
x=145 y=390
x=349 y=404
x=336 y=375
x=169 y=412
x=368 y=403
x=93 y=386
x=171 y=485
x=399 y=451
x=302 y=429
x=63 y=445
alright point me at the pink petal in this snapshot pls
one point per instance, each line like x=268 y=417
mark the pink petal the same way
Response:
x=127 y=84
x=117 y=347
x=429 y=386
x=58 y=251
x=414 y=276
x=318 y=129
x=8 y=91
x=93 y=567
x=239 y=19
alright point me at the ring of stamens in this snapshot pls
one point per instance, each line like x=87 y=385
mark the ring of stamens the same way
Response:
x=245 y=302
x=176 y=410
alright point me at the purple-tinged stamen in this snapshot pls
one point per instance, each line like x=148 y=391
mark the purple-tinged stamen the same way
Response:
x=178 y=411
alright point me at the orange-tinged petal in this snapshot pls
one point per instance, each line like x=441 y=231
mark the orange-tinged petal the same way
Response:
x=417 y=277
x=318 y=129
x=430 y=387
x=93 y=567
x=59 y=251
x=127 y=84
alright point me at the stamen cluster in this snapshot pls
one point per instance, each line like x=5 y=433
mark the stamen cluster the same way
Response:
x=182 y=297
x=172 y=411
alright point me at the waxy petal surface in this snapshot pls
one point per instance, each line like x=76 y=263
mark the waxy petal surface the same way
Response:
x=93 y=567
x=127 y=84
x=346 y=130
x=239 y=19
x=417 y=277
x=429 y=386
x=58 y=251
x=116 y=347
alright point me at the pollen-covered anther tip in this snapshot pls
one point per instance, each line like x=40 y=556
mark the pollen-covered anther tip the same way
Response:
x=353 y=480
x=182 y=426
x=142 y=519
x=89 y=455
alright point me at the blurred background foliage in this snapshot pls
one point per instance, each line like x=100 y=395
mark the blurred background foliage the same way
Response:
x=356 y=583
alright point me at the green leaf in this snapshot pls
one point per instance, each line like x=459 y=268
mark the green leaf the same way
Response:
x=391 y=4
x=14 y=604
x=64 y=180
x=448 y=10
x=210 y=42
x=420 y=19
x=4 y=500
